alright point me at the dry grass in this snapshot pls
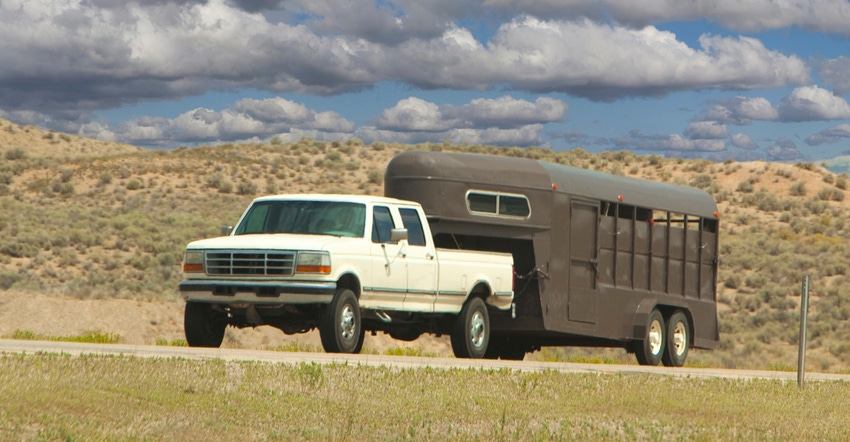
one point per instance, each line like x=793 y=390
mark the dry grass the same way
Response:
x=111 y=221
x=52 y=397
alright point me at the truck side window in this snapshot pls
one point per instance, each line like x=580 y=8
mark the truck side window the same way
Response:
x=382 y=224
x=415 y=232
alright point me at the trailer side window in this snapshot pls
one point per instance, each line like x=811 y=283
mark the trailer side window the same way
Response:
x=498 y=204
x=482 y=202
x=514 y=206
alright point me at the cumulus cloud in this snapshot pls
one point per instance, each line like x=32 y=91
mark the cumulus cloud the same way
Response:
x=503 y=121
x=529 y=135
x=811 y=103
x=411 y=120
x=836 y=72
x=597 y=61
x=744 y=141
x=831 y=135
x=415 y=114
x=831 y=16
x=706 y=130
x=742 y=110
x=669 y=143
x=246 y=119
x=137 y=51
x=783 y=150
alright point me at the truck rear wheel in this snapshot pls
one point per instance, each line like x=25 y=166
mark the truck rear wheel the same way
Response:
x=203 y=325
x=340 y=328
x=471 y=333
x=649 y=350
x=678 y=340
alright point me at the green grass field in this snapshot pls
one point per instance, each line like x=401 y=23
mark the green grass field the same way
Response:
x=61 y=397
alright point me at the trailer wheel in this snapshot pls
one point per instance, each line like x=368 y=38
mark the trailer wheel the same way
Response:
x=339 y=326
x=649 y=350
x=203 y=325
x=471 y=332
x=678 y=340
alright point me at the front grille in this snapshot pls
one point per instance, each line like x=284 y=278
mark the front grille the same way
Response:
x=273 y=263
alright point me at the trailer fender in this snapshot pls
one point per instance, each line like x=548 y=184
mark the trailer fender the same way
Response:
x=641 y=317
x=647 y=305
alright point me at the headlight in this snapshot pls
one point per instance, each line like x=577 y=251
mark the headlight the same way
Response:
x=313 y=263
x=193 y=261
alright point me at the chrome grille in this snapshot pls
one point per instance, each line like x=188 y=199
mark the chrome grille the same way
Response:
x=245 y=263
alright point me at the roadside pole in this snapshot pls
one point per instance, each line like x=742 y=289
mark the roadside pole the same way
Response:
x=801 y=354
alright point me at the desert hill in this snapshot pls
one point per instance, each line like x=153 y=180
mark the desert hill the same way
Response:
x=92 y=233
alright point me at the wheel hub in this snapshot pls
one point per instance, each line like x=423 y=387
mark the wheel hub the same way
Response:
x=346 y=322
x=680 y=336
x=476 y=330
x=655 y=338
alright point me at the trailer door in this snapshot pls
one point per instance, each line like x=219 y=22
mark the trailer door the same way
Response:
x=584 y=222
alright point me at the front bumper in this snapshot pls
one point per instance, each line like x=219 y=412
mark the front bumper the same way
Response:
x=257 y=292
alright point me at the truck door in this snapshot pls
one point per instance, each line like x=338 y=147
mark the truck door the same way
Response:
x=388 y=272
x=421 y=264
x=584 y=222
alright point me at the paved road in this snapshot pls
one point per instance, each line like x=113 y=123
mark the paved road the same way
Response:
x=15 y=346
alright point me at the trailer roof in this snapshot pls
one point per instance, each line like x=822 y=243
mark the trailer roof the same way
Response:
x=515 y=174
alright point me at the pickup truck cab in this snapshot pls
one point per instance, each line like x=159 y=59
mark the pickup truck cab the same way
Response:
x=343 y=264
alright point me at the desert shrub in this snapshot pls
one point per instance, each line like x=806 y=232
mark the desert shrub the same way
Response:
x=830 y=194
x=746 y=186
x=247 y=188
x=225 y=187
x=65 y=175
x=732 y=281
x=19 y=249
x=755 y=280
x=16 y=153
x=105 y=178
x=703 y=181
x=375 y=176
x=8 y=278
x=798 y=189
x=134 y=185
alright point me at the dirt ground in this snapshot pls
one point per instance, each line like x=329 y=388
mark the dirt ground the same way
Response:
x=143 y=323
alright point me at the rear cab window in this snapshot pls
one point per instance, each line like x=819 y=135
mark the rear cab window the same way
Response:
x=413 y=223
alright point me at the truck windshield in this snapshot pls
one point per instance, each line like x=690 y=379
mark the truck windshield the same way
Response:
x=305 y=217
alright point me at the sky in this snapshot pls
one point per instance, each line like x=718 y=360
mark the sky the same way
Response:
x=717 y=79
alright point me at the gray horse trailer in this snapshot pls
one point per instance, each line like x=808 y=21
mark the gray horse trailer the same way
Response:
x=600 y=260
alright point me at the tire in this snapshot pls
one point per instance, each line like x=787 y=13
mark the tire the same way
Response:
x=678 y=340
x=471 y=333
x=203 y=325
x=339 y=327
x=650 y=349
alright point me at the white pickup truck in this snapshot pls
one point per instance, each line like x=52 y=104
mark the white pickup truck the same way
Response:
x=344 y=264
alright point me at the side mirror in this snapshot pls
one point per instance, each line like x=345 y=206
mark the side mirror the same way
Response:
x=226 y=230
x=398 y=234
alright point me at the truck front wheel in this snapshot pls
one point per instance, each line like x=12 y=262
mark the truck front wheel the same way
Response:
x=339 y=327
x=204 y=326
x=471 y=332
